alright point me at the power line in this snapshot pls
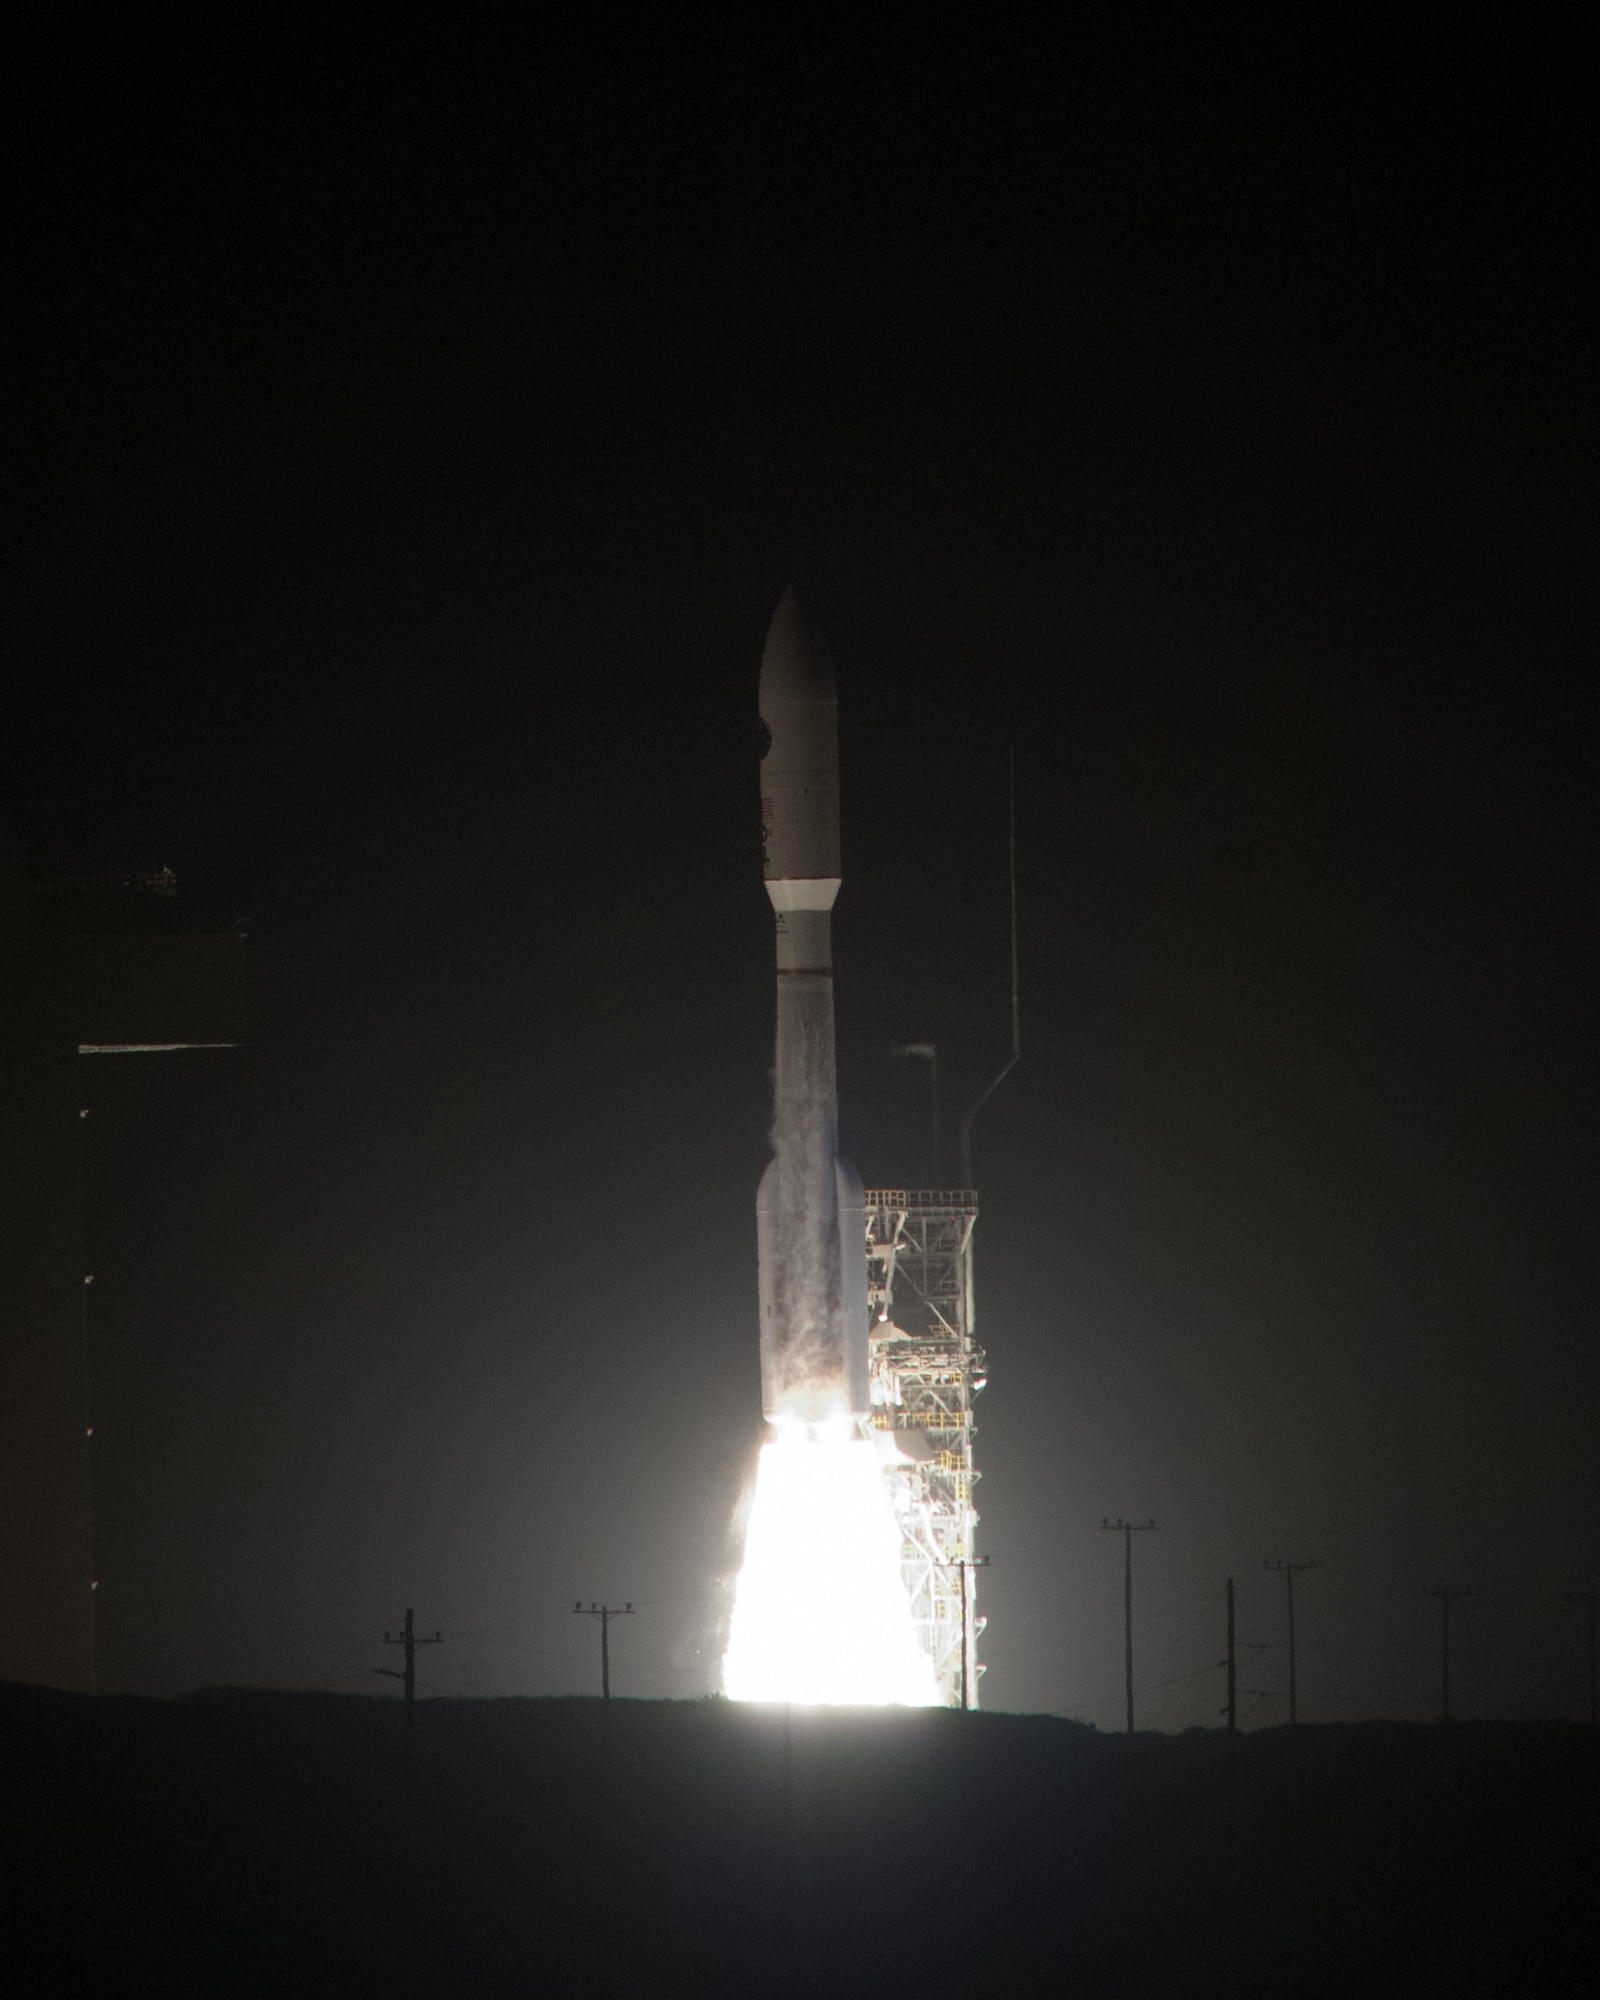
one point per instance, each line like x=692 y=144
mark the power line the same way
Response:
x=1081 y=1633
x=1403 y=1652
x=1151 y=1687
x=1176 y=1680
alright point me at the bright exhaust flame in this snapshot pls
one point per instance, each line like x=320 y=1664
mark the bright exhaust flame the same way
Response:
x=820 y=1611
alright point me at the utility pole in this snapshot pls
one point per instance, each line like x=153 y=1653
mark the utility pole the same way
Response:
x=1587 y=1597
x=408 y=1674
x=963 y=1564
x=605 y=1613
x=1445 y=1596
x=1289 y=1568
x=1127 y=1530
x=1233 y=1674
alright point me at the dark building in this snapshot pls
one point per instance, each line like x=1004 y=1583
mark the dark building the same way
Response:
x=80 y=976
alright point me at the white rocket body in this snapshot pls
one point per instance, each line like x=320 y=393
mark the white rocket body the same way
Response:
x=810 y=1216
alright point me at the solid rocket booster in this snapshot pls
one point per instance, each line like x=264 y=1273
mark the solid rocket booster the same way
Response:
x=810 y=1216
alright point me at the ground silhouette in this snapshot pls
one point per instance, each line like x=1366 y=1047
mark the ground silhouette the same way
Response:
x=249 y=1842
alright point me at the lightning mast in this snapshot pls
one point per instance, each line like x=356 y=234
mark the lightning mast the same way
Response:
x=926 y=1372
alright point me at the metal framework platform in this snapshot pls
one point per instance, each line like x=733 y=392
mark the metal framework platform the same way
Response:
x=926 y=1372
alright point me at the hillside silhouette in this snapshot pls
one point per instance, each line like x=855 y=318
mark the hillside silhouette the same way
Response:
x=250 y=1842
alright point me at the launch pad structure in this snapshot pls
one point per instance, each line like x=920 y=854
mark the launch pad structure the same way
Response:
x=926 y=1372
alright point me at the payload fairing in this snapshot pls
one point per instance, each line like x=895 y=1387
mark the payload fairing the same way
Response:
x=810 y=1216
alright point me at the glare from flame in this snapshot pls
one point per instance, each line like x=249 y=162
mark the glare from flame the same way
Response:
x=820 y=1610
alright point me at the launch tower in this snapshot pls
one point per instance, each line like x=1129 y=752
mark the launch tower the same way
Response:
x=926 y=1371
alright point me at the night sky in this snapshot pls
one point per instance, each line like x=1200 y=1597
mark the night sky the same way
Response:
x=408 y=440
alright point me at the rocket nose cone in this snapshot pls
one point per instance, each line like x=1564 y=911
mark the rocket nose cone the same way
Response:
x=795 y=663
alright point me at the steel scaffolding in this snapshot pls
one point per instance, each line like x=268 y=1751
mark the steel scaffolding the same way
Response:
x=926 y=1371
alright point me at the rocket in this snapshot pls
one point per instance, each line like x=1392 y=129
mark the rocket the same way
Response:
x=810 y=1214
